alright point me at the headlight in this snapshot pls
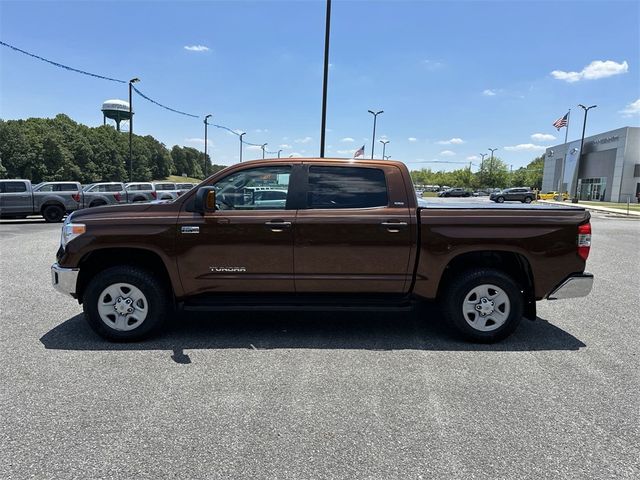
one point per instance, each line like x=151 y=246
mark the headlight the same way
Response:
x=71 y=231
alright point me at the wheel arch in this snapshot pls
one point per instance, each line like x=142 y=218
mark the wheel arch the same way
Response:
x=100 y=259
x=512 y=263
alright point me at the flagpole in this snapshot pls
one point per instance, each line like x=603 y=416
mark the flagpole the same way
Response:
x=564 y=159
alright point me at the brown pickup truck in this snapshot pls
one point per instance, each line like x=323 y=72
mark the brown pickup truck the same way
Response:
x=317 y=234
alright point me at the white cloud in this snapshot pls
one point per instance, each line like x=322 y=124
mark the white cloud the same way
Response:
x=447 y=153
x=261 y=130
x=452 y=141
x=254 y=147
x=489 y=93
x=525 y=147
x=412 y=139
x=595 y=70
x=295 y=154
x=542 y=137
x=198 y=141
x=284 y=145
x=632 y=109
x=196 y=48
x=349 y=152
x=473 y=157
x=432 y=65
x=303 y=140
x=347 y=140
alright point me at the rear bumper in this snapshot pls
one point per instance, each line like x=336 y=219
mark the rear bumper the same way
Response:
x=64 y=279
x=574 y=286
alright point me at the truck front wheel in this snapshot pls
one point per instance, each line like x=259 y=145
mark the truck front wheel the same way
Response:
x=125 y=303
x=484 y=305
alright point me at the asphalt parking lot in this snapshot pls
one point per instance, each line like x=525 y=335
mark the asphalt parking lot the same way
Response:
x=299 y=395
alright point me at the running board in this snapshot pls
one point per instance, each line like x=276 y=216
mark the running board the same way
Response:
x=299 y=303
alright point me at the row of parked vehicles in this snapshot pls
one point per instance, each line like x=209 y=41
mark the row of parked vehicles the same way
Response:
x=514 y=194
x=53 y=200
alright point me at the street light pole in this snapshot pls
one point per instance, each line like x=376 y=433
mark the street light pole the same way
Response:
x=279 y=152
x=263 y=147
x=205 y=143
x=131 y=82
x=584 y=127
x=491 y=161
x=384 y=146
x=241 y=135
x=387 y=157
x=373 y=140
x=325 y=78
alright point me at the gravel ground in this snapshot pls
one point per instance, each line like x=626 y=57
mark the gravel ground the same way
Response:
x=380 y=396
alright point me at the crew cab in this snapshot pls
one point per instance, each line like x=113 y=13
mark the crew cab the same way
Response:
x=350 y=235
x=52 y=200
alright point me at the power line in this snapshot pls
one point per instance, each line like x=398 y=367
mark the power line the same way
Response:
x=163 y=106
x=60 y=65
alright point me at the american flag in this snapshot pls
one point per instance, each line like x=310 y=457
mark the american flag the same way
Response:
x=359 y=152
x=561 y=122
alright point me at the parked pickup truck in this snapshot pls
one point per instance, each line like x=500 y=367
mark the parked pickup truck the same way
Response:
x=350 y=235
x=52 y=200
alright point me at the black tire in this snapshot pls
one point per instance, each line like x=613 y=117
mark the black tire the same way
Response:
x=53 y=213
x=453 y=301
x=500 y=199
x=527 y=200
x=139 y=199
x=158 y=299
x=97 y=203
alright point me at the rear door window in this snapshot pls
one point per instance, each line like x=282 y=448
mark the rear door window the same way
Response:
x=346 y=187
x=14 y=187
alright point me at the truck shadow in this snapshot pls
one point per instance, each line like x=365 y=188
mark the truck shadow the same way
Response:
x=256 y=330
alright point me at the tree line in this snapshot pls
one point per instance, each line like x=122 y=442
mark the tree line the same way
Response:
x=492 y=174
x=52 y=149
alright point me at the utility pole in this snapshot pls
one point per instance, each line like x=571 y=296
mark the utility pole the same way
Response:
x=584 y=127
x=205 y=144
x=241 y=135
x=373 y=139
x=384 y=146
x=131 y=82
x=325 y=80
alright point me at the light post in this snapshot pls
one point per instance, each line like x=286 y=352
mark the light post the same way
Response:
x=263 y=147
x=384 y=146
x=482 y=155
x=387 y=157
x=205 y=143
x=325 y=78
x=491 y=161
x=279 y=152
x=373 y=140
x=241 y=135
x=584 y=127
x=131 y=82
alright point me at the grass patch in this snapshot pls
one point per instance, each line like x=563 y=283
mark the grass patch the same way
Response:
x=429 y=194
x=635 y=207
x=180 y=179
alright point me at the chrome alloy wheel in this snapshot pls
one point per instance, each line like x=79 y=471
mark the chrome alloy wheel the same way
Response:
x=122 y=306
x=486 y=307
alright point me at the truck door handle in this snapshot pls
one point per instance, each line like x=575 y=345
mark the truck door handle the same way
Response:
x=277 y=225
x=394 y=227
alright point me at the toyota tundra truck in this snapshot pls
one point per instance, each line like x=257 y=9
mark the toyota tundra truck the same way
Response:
x=349 y=235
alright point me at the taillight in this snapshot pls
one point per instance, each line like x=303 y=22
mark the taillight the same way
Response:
x=154 y=195
x=117 y=196
x=76 y=197
x=584 y=240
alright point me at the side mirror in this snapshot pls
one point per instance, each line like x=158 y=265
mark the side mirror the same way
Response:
x=205 y=201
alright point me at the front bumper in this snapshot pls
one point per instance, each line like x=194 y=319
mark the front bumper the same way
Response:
x=64 y=279
x=574 y=286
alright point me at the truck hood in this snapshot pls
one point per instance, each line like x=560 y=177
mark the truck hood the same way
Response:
x=110 y=211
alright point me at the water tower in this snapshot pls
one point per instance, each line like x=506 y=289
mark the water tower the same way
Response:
x=116 y=110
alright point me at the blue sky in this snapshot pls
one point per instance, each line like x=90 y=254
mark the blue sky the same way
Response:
x=453 y=78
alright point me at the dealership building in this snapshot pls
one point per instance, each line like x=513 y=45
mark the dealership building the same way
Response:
x=608 y=170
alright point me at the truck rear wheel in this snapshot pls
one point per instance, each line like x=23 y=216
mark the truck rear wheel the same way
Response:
x=484 y=305
x=125 y=303
x=53 y=213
